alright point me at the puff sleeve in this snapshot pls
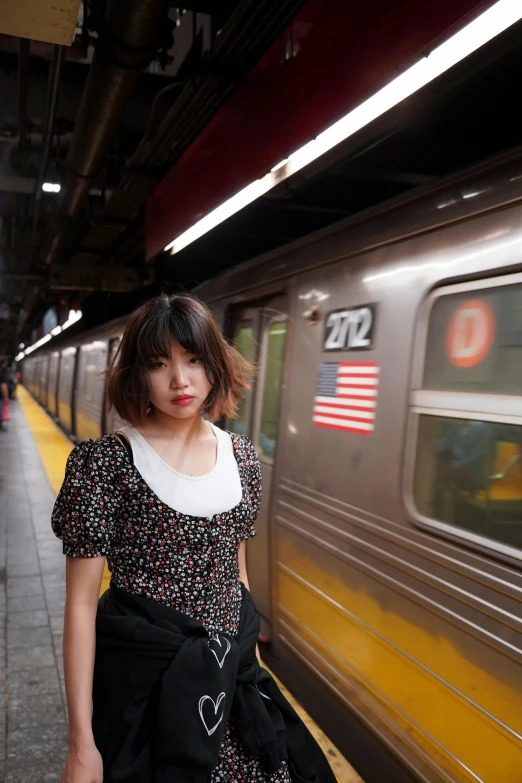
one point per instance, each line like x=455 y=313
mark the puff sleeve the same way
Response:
x=254 y=479
x=87 y=505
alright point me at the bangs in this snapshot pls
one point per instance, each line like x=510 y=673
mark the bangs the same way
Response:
x=148 y=335
x=155 y=335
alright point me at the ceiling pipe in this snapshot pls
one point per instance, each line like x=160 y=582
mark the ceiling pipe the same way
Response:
x=50 y=117
x=127 y=42
x=36 y=140
x=23 y=83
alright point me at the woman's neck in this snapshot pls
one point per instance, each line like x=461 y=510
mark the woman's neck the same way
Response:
x=161 y=426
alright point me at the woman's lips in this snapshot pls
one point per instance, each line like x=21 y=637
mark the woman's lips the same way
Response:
x=183 y=400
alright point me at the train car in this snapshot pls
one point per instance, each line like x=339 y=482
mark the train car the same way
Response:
x=70 y=381
x=91 y=361
x=54 y=375
x=95 y=351
x=388 y=420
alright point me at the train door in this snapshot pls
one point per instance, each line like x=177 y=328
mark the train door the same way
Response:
x=44 y=380
x=54 y=372
x=111 y=420
x=36 y=378
x=66 y=391
x=259 y=334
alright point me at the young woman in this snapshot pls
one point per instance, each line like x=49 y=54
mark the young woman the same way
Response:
x=161 y=673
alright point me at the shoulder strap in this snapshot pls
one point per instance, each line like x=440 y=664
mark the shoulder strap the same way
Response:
x=125 y=442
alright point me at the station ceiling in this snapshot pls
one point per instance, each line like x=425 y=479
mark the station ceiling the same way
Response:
x=179 y=66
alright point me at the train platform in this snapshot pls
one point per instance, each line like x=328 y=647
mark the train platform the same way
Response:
x=33 y=733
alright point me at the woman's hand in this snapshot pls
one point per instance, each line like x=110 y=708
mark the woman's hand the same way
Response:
x=83 y=766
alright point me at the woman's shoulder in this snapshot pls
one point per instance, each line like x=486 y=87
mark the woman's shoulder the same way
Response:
x=244 y=446
x=101 y=452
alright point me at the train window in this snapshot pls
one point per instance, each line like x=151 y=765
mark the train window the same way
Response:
x=466 y=422
x=274 y=356
x=475 y=341
x=468 y=474
x=90 y=377
x=244 y=343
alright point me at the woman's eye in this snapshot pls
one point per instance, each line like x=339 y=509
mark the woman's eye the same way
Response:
x=195 y=360
x=156 y=365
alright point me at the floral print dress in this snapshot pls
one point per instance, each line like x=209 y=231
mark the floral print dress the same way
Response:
x=106 y=508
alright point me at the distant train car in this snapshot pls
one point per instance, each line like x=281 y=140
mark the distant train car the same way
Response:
x=52 y=389
x=387 y=414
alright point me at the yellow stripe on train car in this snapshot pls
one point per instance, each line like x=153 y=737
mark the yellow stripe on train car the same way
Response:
x=420 y=679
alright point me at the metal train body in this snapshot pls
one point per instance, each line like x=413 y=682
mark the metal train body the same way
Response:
x=387 y=570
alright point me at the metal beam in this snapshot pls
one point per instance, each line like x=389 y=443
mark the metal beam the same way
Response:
x=293 y=206
x=14 y=183
x=383 y=175
x=95 y=278
x=212 y=7
x=43 y=20
x=25 y=276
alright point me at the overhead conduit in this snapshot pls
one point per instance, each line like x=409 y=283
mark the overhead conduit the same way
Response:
x=128 y=41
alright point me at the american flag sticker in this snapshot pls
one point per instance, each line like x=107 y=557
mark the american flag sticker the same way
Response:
x=346 y=396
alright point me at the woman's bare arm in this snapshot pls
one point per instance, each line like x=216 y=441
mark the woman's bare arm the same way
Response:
x=243 y=576
x=83 y=579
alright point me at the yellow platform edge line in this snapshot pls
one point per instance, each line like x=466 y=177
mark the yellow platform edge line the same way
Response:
x=54 y=447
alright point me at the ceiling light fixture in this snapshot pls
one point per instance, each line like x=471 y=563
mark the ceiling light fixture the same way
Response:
x=51 y=187
x=280 y=165
x=477 y=33
x=74 y=315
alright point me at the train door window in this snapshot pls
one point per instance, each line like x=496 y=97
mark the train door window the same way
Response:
x=90 y=377
x=469 y=475
x=465 y=437
x=114 y=344
x=244 y=344
x=475 y=341
x=111 y=420
x=274 y=349
x=260 y=336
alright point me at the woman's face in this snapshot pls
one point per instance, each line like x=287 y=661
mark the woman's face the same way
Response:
x=178 y=386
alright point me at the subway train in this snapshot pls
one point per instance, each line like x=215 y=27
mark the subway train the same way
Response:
x=387 y=415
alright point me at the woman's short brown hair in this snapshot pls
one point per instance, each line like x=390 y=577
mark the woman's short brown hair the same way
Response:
x=148 y=335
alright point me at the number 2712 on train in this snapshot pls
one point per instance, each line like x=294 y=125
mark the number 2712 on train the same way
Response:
x=350 y=329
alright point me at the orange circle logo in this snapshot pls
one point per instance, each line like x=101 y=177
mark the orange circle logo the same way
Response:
x=470 y=334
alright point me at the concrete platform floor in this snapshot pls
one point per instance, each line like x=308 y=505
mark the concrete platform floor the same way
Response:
x=33 y=732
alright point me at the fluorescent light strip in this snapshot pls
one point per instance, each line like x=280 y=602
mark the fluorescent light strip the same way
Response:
x=477 y=33
x=74 y=315
x=280 y=165
x=38 y=344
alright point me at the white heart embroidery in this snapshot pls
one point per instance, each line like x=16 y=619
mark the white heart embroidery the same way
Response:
x=218 y=640
x=216 y=705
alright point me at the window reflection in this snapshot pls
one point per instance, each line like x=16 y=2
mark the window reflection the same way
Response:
x=469 y=474
x=244 y=344
x=272 y=388
x=475 y=342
